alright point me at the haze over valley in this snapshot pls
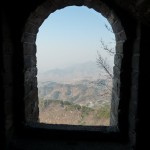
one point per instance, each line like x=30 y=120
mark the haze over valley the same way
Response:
x=82 y=85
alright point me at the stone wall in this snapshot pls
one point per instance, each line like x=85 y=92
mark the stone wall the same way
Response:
x=20 y=22
x=29 y=37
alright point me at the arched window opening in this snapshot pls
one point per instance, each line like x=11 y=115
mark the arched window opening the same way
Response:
x=75 y=60
x=31 y=86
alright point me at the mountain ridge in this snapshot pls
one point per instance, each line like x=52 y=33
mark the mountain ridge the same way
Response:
x=88 y=70
x=84 y=92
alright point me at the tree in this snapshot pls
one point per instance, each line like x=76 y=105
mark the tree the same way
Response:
x=102 y=62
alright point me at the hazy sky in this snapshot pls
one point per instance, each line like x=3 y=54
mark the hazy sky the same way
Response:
x=71 y=35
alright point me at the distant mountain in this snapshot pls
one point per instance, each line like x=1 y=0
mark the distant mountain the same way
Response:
x=83 y=92
x=77 y=84
x=77 y=72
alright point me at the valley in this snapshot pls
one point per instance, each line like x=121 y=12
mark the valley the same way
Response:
x=79 y=101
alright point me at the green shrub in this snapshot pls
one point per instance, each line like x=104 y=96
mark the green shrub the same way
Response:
x=103 y=112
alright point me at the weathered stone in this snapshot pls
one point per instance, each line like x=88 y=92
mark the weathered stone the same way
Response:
x=29 y=61
x=29 y=38
x=112 y=18
x=119 y=47
x=118 y=60
x=31 y=28
x=120 y=36
x=132 y=97
x=116 y=72
x=29 y=49
x=117 y=27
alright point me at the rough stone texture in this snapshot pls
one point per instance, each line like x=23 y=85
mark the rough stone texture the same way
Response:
x=119 y=47
x=29 y=49
x=18 y=84
x=117 y=60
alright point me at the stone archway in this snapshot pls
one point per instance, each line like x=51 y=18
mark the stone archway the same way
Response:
x=29 y=48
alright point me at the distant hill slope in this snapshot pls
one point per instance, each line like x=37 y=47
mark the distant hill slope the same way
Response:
x=77 y=72
x=85 y=92
x=64 y=112
x=77 y=84
x=74 y=95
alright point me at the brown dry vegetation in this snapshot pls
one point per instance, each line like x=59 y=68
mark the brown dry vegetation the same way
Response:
x=59 y=112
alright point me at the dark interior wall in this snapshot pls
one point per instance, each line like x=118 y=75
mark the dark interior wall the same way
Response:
x=134 y=16
x=13 y=17
x=143 y=104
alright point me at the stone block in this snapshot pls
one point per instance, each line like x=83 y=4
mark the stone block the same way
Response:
x=29 y=49
x=29 y=38
x=120 y=36
x=29 y=62
x=118 y=60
